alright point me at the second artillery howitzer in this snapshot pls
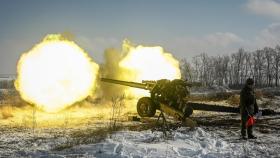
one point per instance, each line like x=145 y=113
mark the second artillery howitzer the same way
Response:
x=171 y=97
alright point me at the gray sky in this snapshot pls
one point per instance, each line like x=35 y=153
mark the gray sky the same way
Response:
x=183 y=27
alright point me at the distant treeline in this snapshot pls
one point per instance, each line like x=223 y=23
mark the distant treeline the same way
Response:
x=232 y=70
x=6 y=84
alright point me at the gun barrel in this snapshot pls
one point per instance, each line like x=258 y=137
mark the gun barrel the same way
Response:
x=126 y=83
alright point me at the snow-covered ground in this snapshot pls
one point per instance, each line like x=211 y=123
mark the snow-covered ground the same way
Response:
x=200 y=142
x=217 y=135
x=203 y=141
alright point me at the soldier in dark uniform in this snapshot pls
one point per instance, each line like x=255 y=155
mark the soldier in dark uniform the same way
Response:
x=248 y=107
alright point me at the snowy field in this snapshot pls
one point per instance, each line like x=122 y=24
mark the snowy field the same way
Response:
x=217 y=135
x=202 y=142
x=182 y=142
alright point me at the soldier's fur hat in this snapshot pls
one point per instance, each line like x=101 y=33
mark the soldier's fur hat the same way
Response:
x=249 y=81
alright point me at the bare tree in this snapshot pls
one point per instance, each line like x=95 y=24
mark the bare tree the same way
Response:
x=224 y=69
x=238 y=59
x=258 y=66
x=196 y=68
x=277 y=64
x=186 y=70
x=268 y=56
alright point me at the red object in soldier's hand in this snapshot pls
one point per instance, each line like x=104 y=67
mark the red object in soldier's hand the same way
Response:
x=251 y=121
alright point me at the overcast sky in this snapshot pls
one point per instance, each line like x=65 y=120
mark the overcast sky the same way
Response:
x=183 y=27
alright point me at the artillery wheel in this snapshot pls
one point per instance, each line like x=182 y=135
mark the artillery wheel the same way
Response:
x=146 y=107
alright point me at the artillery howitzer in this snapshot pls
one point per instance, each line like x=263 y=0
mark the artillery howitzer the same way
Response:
x=170 y=96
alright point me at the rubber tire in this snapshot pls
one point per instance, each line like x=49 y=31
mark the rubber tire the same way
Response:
x=146 y=107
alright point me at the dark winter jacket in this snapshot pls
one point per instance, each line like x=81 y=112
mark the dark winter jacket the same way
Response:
x=248 y=104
